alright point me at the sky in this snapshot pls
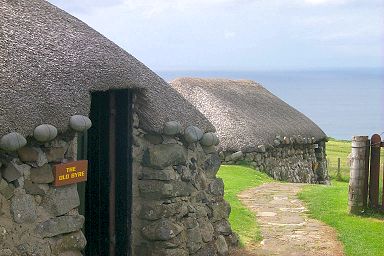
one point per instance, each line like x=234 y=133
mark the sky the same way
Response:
x=240 y=34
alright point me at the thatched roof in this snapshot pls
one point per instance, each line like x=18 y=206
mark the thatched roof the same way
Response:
x=244 y=113
x=50 y=62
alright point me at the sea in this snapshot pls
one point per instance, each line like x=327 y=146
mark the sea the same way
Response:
x=342 y=102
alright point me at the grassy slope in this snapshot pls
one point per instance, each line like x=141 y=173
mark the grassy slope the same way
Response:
x=237 y=179
x=360 y=235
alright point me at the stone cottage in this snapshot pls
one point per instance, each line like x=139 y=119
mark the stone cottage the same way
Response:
x=256 y=127
x=67 y=94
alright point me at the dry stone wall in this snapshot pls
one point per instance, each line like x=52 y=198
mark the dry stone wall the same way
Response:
x=35 y=217
x=290 y=160
x=178 y=200
x=178 y=206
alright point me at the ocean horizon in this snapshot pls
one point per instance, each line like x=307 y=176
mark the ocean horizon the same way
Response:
x=342 y=102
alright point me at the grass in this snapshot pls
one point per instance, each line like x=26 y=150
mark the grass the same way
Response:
x=361 y=235
x=338 y=149
x=236 y=179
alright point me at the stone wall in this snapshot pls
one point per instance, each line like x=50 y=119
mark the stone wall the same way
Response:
x=178 y=206
x=178 y=200
x=35 y=217
x=291 y=161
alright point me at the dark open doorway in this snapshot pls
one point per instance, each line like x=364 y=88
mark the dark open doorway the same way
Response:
x=107 y=195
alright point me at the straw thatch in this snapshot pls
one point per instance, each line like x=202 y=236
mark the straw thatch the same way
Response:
x=51 y=61
x=244 y=113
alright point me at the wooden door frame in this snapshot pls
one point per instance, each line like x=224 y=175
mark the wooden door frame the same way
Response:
x=116 y=105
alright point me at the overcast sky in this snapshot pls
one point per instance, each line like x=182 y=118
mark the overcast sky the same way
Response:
x=240 y=34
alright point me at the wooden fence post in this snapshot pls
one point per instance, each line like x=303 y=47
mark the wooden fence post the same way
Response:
x=338 y=175
x=382 y=198
x=374 y=175
x=357 y=174
x=366 y=175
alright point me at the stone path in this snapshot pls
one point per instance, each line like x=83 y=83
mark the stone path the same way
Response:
x=286 y=228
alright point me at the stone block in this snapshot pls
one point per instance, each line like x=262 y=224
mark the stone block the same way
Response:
x=154 y=139
x=211 y=165
x=32 y=188
x=209 y=139
x=45 y=132
x=80 y=123
x=155 y=189
x=136 y=120
x=221 y=245
x=249 y=157
x=201 y=210
x=3 y=184
x=170 y=140
x=42 y=175
x=194 y=240
x=177 y=241
x=237 y=156
x=61 y=200
x=172 y=128
x=158 y=189
x=11 y=173
x=59 y=225
x=7 y=190
x=12 y=141
x=261 y=149
x=220 y=210
x=156 y=210
x=232 y=240
x=55 y=154
x=154 y=174
x=161 y=230
x=23 y=208
x=184 y=172
x=208 y=249
x=71 y=253
x=216 y=187
x=210 y=150
x=161 y=156
x=34 y=247
x=190 y=222
x=206 y=229
x=32 y=155
x=193 y=134
x=166 y=252
x=28 y=154
x=69 y=242
x=222 y=227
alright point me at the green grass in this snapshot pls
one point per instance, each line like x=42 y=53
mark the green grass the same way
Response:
x=236 y=179
x=340 y=149
x=361 y=235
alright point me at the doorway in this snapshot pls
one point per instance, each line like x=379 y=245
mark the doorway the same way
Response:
x=106 y=197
